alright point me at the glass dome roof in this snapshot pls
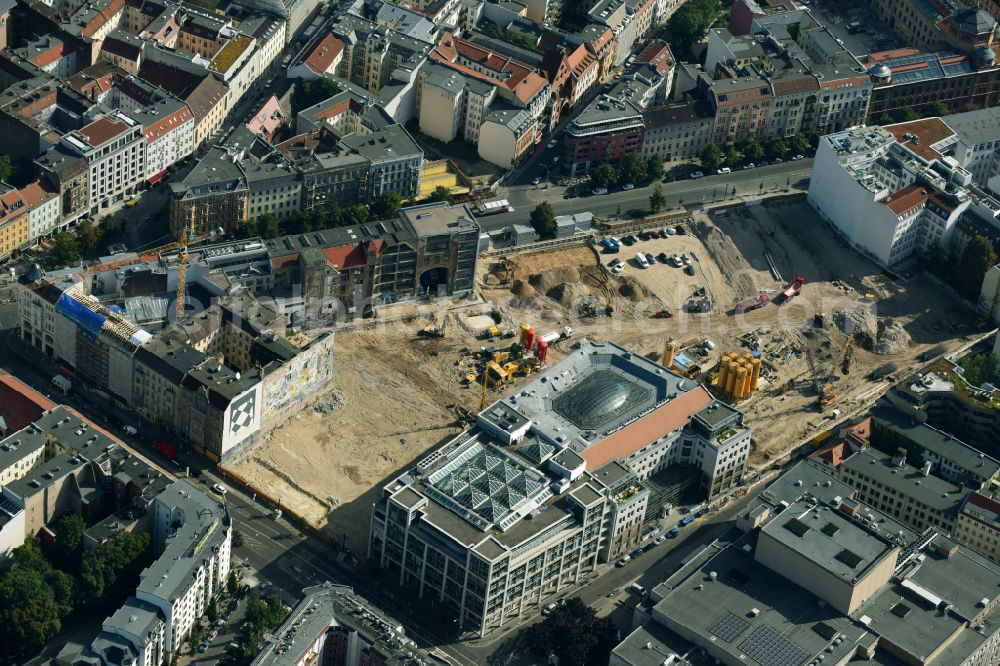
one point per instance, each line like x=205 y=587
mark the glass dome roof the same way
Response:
x=599 y=398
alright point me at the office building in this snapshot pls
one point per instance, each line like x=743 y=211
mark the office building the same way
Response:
x=115 y=151
x=890 y=192
x=547 y=483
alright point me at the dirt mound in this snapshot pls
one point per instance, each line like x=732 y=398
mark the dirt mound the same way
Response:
x=568 y=293
x=892 y=337
x=632 y=290
x=858 y=321
x=522 y=290
x=544 y=282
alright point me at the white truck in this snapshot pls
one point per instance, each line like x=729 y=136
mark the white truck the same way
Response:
x=555 y=336
x=62 y=383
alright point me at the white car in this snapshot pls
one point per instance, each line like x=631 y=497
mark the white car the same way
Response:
x=617 y=266
x=131 y=430
x=677 y=261
x=599 y=190
x=219 y=488
x=660 y=539
x=536 y=180
x=798 y=157
x=640 y=259
x=724 y=170
x=696 y=174
x=628 y=186
x=686 y=258
x=266 y=585
x=552 y=144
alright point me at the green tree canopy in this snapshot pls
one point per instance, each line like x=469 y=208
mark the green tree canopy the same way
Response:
x=800 y=144
x=711 y=158
x=313 y=92
x=753 y=151
x=776 y=147
x=654 y=167
x=543 y=219
x=904 y=115
x=656 y=200
x=938 y=109
x=386 y=205
x=602 y=176
x=441 y=193
x=573 y=633
x=356 y=214
x=733 y=157
x=266 y=226
x=632 y=169
x=86 y=235
x=688 y=24
x=69 y=542
x=66 y=250
x=6 y=168
x=977 y=258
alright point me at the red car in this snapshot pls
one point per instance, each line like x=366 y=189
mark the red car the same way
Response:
x=653 y=233
x=663 y=314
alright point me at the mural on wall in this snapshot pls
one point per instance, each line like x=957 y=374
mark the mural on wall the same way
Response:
x=305 y=375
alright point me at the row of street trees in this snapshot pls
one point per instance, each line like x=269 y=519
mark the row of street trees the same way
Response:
x=712 y=157
x=633 y=168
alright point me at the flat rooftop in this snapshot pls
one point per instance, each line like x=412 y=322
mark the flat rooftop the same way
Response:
x=906 y=480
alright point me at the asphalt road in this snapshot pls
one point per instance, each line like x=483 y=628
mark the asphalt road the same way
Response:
x=693 y=193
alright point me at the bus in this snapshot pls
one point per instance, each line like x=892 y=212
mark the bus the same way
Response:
x=494 y=207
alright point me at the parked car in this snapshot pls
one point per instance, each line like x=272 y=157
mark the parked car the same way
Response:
x=749 y=165
x=686 y=258
x=635 y=553
x=628 y=186
x=266 y=585
x=676 y=259
x=618 y=268
x=638 y=589
x=650 y=259
x=653 y=233
x=536 y=180
x=552 y=143
x=686 y=520
x=599 y=190
x=798 y=157
x=696 y=175
x=629 y=240
x=664 y=259
x=623 y=561
x=660 y=539
x=667 y=231
x=671 y=533
x=644 y=235
x=724 y=170
x=679 y=229
x=548 y=609
x=640 y=259
x=219 y=488
x=689 y=269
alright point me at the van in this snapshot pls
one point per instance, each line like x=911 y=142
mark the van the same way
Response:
x=640 y=259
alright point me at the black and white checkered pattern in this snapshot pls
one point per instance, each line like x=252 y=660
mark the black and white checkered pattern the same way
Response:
x=241 y=413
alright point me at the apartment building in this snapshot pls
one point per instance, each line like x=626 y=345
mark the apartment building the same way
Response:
x=677 y=131
x=373 y=53
x=978 y=525
x=168 y=124
x=395 y=161
x=561 y=462
x=43 y=209
x=917 y=23
x=14 y=221
x=212 y=194
x=978 y=146
x=453 y=105
x=891 y=191
x=506 y=135
x=114 y=147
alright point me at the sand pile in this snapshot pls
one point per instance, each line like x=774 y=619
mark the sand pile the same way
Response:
x=892 y=337
x=858 y=321
x=545 y=282
x=568 y=293
x=632 y=290
x=522 y=290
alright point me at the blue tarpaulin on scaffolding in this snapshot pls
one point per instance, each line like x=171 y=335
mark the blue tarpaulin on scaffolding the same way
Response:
x=76 y=312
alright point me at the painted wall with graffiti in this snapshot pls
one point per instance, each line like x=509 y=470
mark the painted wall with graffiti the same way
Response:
x=302 y=378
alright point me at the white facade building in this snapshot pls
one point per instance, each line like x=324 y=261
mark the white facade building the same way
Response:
x=978 y=146
x=114 y=147
x=887 y=192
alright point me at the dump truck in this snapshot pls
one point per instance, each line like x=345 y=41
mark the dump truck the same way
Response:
x=751 y=304
x=792 y=290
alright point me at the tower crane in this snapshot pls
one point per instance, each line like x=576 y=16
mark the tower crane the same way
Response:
x=186 y=236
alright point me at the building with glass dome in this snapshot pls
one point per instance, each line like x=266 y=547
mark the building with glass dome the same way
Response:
x=548 y=482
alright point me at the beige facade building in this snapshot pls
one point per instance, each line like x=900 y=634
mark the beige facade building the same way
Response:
x=978 y=525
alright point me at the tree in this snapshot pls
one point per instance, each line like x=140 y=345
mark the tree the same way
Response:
x=266 y=226
x=6 y=168
x=753 y=151
x=111 y=226
x=800 y=144
x=733 y=157
x=237 y=539
x=938 y=109
x=297 y=223
x=776 y=147
x=982 y=369
x=904 y=115
x=441 y=193
x=977 y=257
x=688 y=24
x=86 y=235
x=69 y=542
x=885 y=119
x=66 y=250
x=632 y=169
x=711 y=158
x=356 y=214
x=602 y=176
x=573 y=633
x=938 y=258
x=110 y=571
x=654 y=167
x=232 y=585
x=212 y=610
x=314 y=92
x=656 y=200
x=543 y=219
x=386 y=205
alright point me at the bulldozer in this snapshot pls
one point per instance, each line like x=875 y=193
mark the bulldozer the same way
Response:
x=434 y=330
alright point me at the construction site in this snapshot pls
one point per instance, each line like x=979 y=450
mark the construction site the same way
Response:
x=778 y=317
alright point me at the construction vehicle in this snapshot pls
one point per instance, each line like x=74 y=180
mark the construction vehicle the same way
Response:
x=555 y=336
x=846 y=355
x=792 y=290
x=495 y=333
x=433 y=331
x=826 y=396
x=750 y=304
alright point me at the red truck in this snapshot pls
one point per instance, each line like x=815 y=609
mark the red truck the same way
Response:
x=751 y=304
x=793 y=289
x=166 y=448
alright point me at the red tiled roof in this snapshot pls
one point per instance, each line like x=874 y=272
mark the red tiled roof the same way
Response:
x=861 y=431
x=35 y=193
x=985 y=502
x=104 y=14
x=675 y=414
x=323 y=54
x=879 y=56
x=506 y=72
x=19 y=403
x=929 y=131
x=281 y=262
x=103 y=129
x=52 y=54
x=834 y=454
x=906 y=199
x=346 y=256
x=168 y=124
